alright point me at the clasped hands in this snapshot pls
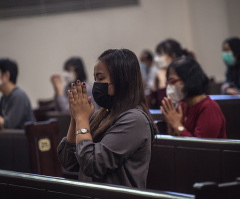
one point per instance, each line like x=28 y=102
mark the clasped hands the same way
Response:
x=172 y=116
x=80 y=106
x=57 y=84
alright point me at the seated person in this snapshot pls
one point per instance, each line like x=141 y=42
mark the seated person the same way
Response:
x=74 y=70
x=231 y=57
x=148 y=69
x=15 y=107
x=166 y=52
x=114 y=147
x=197 y=115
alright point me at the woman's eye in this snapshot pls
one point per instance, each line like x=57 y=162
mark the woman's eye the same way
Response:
x=98 y=79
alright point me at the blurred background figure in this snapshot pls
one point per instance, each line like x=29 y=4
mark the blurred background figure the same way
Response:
x=73 y=70
x=148 y=69
x=197 y=115
x=15 y=107
x=231 y=57
x=166 y=52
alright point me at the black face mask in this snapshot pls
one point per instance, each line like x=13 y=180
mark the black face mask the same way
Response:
x=100 y=95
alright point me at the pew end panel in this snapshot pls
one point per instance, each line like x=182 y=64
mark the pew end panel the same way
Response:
x=43 y=142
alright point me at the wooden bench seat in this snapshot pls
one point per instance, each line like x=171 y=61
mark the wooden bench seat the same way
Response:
x=178 y=162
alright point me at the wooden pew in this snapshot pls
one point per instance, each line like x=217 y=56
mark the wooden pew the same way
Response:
x=33 y=151
x=209 y=190
x=178 y=162
x=14 y=151
x=230 y=106
x=63 y=119
x=40 y=113
x=27 y=186
x=43 y=139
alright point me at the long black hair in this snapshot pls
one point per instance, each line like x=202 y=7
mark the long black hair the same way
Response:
x=190 y=72
x=126 y=76
x=172 y=47
x=11 y=66
x=234 y=43
x=77 y=64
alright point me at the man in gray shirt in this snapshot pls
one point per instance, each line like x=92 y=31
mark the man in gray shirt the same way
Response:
x=15 y=107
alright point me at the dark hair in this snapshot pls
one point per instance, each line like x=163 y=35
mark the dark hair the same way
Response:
x=190 y=72
x=11 y=66
x=234 y=44
x=126 y=76
x=77 y=64
x=171 y=47
x=149 y=55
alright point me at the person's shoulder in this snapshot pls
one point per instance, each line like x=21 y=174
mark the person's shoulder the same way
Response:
x=210 y=104
x=19 y=93
x=135 y=114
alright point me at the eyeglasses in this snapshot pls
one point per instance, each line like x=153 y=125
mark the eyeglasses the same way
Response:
x=173 y=81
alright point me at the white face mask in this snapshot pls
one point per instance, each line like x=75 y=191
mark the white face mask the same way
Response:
x=161 y=61
x=175 y=93
x=68 y=77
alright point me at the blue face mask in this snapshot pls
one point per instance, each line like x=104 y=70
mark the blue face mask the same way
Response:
x=228 y=58
x=143 y=66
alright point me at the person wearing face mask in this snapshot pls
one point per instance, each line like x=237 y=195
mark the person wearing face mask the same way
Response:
x=196 y=114
x=231 y=57
x=114 y=146
x=166 y=52
x=73 y=70
x=148 y=69
x=15 y=106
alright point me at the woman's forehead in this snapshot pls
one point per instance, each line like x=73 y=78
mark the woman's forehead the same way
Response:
x=172 y=74
x=226 y=46
x=100 y=67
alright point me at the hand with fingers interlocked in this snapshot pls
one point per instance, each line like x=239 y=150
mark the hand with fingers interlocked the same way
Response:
x=80 y=105
x=172 y=116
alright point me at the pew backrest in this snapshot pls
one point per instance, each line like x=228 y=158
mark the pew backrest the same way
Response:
x=14 y=151
x=22 y=185
x=209 y=190
x=178 y=162
x=63 y=119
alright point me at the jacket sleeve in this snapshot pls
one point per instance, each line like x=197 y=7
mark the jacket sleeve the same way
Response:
x=66 y=155
x=129 y=133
